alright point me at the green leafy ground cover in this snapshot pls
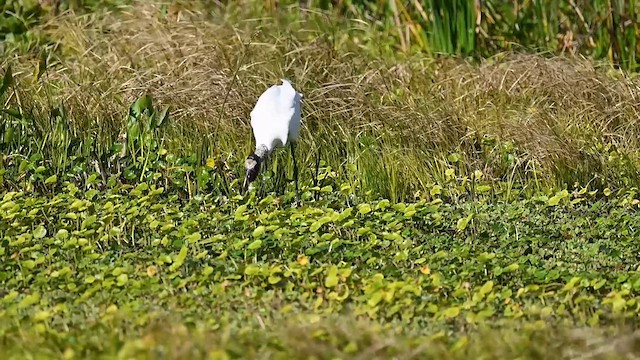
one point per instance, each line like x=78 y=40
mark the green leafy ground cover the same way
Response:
x=450 y=209
x=89 y=272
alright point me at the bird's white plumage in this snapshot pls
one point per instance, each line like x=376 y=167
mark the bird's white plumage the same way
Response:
x=275 y=119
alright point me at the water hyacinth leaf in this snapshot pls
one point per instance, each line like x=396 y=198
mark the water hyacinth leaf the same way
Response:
x=454 y=157
x=51 y=179
x=122 y=280
x=42 y=315
x=240 y=213
x=77 y=204
x=375 y=298
x=179 y=260
x=252 y=270
x=572 y=283
x=24 y=165
x=553 y=201
x=90 y=194
x=331 y=280
x=364 y=209
x=259 y=231
x=451 y=312
x=255 y=245
x=318 y=224
x=39 y=232
x=512 y=267
x=62 y=234
x=463 y=223
x=345 y=214
x=90 y=220
x=193 y=238
x=486 y=288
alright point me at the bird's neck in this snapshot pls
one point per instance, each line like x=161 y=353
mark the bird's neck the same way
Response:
x=262 y=151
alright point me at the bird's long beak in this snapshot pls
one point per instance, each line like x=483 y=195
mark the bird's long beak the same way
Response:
x=245 y=185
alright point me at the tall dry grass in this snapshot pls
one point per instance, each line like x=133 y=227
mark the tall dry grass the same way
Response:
x=526 y=120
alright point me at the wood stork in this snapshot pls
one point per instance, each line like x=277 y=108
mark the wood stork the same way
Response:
x=275 y=121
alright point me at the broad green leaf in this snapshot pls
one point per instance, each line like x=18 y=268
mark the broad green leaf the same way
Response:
x=39 y=232
x=252 y=270
x=259 y=231
x=572 y=283
x=42 y=315
x=51 y=179
x=193 y=238
x=364 y=208
x=451 y=312
x=142 y=104
x=512 y=267
x=375 y=298
x=553 y=201
x=179 y=260
x=133 y=131
x=463 y=223
x=90 y=220
x=454 y=157
x=486 y=288
x=346 y=213
x=255 y=245
x=318 y=224
x=331 y=280
x=240 y=213
x=122 y=279
x=383 y=204
x=77 y=204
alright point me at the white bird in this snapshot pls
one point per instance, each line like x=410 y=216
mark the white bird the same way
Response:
x=275 y=121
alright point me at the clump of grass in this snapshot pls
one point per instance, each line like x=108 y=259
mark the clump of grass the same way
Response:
x=333 y=337
x=524 y=120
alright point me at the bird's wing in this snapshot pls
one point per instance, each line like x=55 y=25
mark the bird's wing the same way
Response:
x=293 y=101
x=276 y=109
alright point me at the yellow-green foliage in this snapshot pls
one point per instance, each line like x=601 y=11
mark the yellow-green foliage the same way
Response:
x=450 y=209
x=134 y=270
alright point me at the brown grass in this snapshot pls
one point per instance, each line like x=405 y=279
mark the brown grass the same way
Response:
x=338 y=337
x=415 y=110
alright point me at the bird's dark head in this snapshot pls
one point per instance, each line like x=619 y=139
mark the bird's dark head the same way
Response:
x=252 y=165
